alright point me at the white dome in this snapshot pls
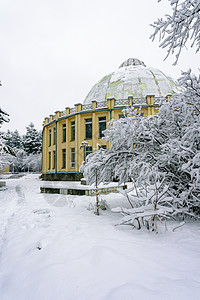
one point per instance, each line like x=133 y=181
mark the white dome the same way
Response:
x=133 y=78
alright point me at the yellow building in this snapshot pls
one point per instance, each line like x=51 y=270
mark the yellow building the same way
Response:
x=70 y=135
x=5 y=170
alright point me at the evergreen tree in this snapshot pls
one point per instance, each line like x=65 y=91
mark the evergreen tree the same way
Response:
x=32 y=140
x=27 y=150
x=3 y=116
x=4 y=149
x=14 y=140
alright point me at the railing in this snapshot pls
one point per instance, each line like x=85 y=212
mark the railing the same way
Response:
x=139 y=101
x=63 y=113
x=104 y=104
x=72 y=110
x=157 y=99
x=87 y=107
x=121 y=102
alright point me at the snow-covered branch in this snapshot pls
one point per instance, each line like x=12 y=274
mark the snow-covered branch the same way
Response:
x=176 y=29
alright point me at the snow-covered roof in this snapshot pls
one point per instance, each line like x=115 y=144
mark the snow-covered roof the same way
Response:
x=133 y=78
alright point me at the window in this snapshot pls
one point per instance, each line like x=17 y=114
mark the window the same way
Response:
x=54 y=135
x=102 y=126
x=121 y=116
x=64 y=158
x=49 y=137
x=88 y=128
x=73 y=131
x=64 y=133
x=102 y=147
x=88 y=150
x=54 y=159
x=72 y=157
x=49 y=160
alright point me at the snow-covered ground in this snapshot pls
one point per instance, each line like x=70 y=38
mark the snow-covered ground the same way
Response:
x=52 y=247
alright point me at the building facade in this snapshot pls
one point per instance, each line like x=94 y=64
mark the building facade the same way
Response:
x=70 y=135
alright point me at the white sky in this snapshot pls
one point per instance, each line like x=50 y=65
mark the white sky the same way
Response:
x=53 y=51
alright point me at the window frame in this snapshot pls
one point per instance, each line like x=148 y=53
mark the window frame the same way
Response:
x=88 y=124
x=54 y=135
x=72 y=154
x=102 y=121
x=54 y=160
x=63 y=158
x=49 y=168
x=73 y=130
x=49 y=137
x=64 y=133
x=87 y=151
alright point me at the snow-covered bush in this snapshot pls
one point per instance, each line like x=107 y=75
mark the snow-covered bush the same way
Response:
x=17 y=162
x=25 y=163
x=161 y=148
x=33 y=162
x=151 y=206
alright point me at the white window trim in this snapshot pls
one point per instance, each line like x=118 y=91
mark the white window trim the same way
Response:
x=72 y=163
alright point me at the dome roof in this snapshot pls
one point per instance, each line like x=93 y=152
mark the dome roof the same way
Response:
x=132 y=62
x=133 y=78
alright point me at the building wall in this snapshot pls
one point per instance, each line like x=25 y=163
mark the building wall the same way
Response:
x=79 y=114
x=5 y=170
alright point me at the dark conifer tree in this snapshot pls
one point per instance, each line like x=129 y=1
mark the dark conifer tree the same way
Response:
x=32 y=140
x=14 y=139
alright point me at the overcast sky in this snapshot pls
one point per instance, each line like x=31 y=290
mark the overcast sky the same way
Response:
x=53 y=51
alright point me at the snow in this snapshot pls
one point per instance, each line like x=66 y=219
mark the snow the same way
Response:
x=76 y=185
x=137 y=81
x=50 y=249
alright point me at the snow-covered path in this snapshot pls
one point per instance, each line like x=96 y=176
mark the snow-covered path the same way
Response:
x=50 y=249
x=10 y=200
